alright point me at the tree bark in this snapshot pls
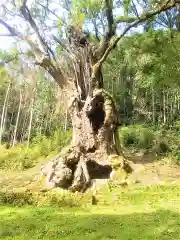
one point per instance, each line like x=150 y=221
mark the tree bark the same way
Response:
x=153 y=105
x=94 y=123
x=17 y=120
x=31 y=118
x=164 y=107
x=65 y=121
x=4 y=110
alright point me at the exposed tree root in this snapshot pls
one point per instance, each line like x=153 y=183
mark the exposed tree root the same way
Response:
x=76 y=170
x=82 y=178
x=94 y=140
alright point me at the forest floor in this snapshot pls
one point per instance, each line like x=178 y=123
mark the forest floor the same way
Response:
x=148 y=171
x=149 y=209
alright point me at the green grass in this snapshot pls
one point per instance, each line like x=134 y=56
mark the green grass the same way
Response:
x=124 y=214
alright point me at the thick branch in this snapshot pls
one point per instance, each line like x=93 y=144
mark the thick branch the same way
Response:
x=6 y=35
x=167 y=5
x=130 y=19
x=27 y=15
x=124 y=19
x=44 y=59
x=107 y=49
x=96 y=29
x=54 y=70
x=13 y=33
x=111 y=29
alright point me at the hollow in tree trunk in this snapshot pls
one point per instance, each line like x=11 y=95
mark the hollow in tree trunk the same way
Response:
x=94 y=120
x=94 y=123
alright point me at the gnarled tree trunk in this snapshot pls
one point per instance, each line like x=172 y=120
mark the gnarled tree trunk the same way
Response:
x=93 y=123
x=94 y=119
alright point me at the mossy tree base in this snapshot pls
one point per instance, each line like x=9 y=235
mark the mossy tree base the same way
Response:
x=93 y=143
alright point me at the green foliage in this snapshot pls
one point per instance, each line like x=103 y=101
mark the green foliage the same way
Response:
x=161 y=147
x=177 y=157
x=65 y=198
x=9 y=56
x=83 y=10
x=60 y=139
x=136 y=136
x=16 y=198
x=20 y=157
x=126 y=5
x=21 y=197
x=43 y=145
x=56 y=142
x=17 y=158
x=142 y=73
x=144 y=137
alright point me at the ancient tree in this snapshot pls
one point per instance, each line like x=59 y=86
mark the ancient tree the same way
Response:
x=78 y=72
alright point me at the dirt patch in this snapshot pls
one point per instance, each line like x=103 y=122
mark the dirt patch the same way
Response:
x=146 y=173
x=158 y=172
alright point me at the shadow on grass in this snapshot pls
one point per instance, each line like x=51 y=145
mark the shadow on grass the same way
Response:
x=53 y=223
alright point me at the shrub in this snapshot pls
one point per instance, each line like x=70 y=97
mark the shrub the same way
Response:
x=136 y=136
x=177 y=157
x=26 y=197
x=42 y=144
x=16 y=198
x=60 y=139
x=20 y=157
x=161 y=147
x=17 y=158
x=146 y=138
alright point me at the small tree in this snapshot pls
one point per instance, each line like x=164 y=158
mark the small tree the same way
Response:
x=78 y=72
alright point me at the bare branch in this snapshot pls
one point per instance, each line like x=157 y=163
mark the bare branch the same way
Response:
x=54 y=71
x=63 y=45
x=6 y=35
x=24 y=3
x=135 y=9
x=49 y=10
x=12 y=14
x=101 y=19
x=96 y=29
x=161 y=23
x=42 y=57
x=12 y=31
x=26 y=14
